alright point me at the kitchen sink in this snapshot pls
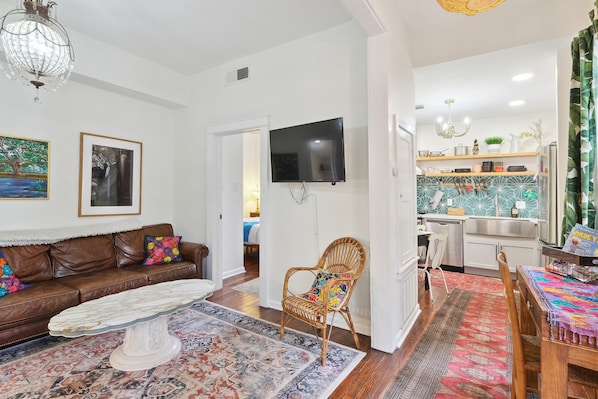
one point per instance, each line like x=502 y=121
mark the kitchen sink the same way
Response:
x=505 y=227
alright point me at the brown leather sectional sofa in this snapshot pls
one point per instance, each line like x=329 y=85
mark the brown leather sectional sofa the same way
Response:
x=76 y=270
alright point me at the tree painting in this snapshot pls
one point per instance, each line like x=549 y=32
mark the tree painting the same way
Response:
x=23 y=168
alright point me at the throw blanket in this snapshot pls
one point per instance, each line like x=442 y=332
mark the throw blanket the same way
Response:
x=573 y=305
x=9 y=238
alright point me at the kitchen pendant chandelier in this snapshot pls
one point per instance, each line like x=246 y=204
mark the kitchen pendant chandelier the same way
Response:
x=469 y=7
x=37 y=47
x=448 y=130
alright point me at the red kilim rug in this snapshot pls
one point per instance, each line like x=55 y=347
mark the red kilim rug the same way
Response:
x=468 y=282
x=466 y=350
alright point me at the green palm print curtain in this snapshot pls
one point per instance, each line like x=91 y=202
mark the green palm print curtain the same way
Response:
x=579 y=191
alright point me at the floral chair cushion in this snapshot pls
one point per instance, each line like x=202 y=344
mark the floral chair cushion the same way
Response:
x=337 y=293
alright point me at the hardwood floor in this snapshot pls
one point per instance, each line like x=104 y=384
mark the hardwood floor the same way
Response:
x=375 y=372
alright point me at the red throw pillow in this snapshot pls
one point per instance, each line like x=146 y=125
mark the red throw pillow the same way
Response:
x=160 y=250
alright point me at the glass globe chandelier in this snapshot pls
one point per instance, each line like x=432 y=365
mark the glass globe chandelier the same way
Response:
x=469 y=7
x=448 y=130
x=37 y=47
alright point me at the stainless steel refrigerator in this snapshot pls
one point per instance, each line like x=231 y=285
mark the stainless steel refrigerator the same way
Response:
x=547 y=195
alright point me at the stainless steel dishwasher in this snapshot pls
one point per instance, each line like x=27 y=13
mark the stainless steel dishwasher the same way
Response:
x=453 y=253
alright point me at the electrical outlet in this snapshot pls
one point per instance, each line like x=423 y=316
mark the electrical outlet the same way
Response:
x=449 y=201
x=520 y=204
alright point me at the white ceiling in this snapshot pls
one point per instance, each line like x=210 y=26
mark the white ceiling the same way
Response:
x=470 y=59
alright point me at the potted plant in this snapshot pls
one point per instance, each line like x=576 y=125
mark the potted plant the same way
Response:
x=534 y=134
x=493 y=143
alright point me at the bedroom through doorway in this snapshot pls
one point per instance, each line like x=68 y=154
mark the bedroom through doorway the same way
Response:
x=237 y=172
x=251 y=201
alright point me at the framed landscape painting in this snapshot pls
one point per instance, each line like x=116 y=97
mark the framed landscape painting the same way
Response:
x=109 y=176
x=24 y=165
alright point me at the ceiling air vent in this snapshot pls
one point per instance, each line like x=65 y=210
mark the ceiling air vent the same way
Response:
x=237 y=75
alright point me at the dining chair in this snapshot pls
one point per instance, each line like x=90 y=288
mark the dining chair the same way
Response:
x=526 y=350
x=335 y=277
x=433 y=260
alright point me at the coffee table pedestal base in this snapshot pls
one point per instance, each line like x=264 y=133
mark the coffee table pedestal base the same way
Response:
x=146 y=345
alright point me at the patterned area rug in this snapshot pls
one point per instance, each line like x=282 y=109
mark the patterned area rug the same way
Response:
x=225 y=354
x=464 y=353
x=469 y=282
x=251 y=287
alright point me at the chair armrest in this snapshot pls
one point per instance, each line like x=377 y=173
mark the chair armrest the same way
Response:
x=196 y=253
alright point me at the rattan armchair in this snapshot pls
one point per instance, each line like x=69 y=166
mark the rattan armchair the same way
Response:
x=336 y=275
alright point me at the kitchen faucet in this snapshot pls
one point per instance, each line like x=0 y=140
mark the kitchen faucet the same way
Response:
x=497 y=213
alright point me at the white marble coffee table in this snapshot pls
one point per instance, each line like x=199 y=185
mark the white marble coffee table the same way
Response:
x=143 y=312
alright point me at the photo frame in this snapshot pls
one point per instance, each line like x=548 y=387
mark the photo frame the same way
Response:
x=109 y=176
x=24 y=168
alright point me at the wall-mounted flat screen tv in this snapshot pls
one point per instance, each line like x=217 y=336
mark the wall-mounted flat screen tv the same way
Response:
x=313 y=152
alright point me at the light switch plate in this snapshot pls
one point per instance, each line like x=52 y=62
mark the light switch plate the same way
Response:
x=449 y=201
x=520 y=204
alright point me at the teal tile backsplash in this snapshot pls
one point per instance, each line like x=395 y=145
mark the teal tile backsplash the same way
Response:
x=502 y=190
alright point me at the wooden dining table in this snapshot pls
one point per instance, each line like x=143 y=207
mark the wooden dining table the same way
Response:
x=564 y=312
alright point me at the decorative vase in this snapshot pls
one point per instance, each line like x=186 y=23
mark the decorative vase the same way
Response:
x=493 y=148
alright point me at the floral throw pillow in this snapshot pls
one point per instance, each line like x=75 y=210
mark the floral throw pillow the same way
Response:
x=337 y=293
x=161 y=249
x=9 y=283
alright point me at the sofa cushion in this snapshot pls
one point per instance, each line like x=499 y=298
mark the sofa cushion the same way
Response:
x=100 y=283
x=168 y=272
x=82 y=255
x=162 y=249
x=30 y=262
x=43 y=298
x=129 y=245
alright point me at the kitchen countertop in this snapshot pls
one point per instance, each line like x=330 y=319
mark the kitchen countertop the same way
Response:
x=441 y=216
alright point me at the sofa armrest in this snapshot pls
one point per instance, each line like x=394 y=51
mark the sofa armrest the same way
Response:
x=196 y=253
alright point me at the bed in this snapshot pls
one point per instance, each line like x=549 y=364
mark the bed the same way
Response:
x=251 y=234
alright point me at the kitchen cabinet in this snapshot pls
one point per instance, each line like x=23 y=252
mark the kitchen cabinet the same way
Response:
x=481 y=251
x=528 y=159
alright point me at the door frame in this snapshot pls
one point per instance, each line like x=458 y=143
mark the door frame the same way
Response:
x=214 y=198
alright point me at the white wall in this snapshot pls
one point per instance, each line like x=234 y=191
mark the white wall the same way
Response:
x=76 y=108
x=318 y=77
x=392 y=97
x=232 y=198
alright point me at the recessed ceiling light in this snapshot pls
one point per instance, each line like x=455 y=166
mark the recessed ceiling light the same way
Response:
x=516 y=103
x=522 y=76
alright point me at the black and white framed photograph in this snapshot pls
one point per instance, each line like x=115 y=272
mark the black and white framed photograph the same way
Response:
x=109 y=176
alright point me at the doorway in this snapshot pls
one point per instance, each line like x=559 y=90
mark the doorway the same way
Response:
x=225 y=216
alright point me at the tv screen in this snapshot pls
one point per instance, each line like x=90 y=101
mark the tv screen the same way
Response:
x=313 y=152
